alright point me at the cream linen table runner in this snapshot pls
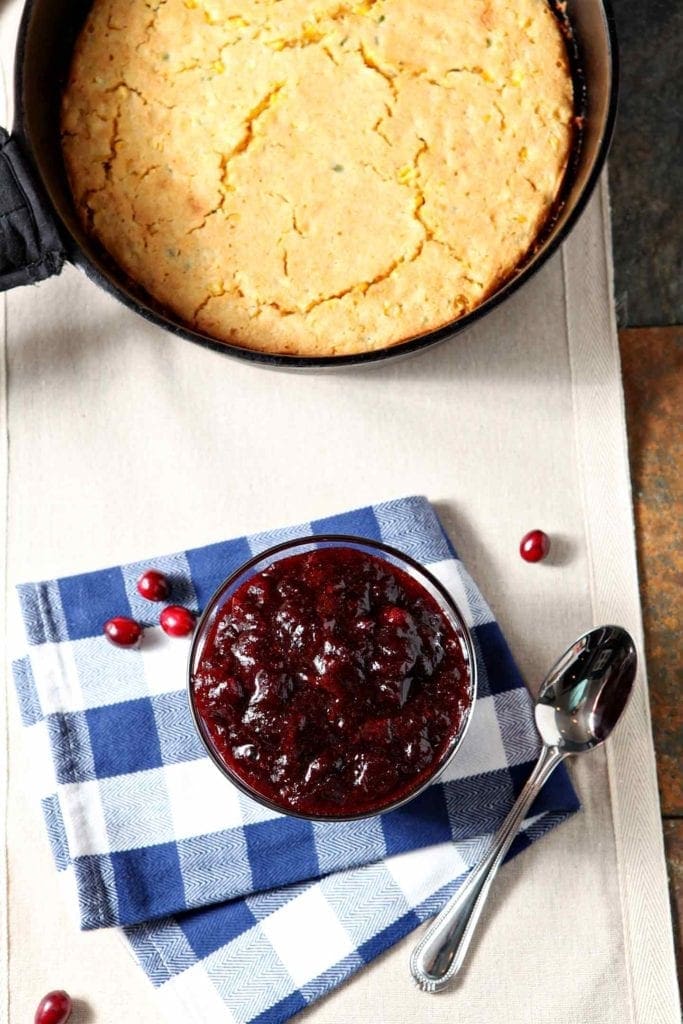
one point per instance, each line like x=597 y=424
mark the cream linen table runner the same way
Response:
x=123 y=440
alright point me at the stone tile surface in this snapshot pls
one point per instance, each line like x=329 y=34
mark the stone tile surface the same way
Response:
x=673 y=844
x=652 y=366
x=646 y=164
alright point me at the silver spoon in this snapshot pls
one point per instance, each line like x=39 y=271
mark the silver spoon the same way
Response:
x=580 y=702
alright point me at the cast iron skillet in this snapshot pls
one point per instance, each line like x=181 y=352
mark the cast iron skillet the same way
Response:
x=39 y=229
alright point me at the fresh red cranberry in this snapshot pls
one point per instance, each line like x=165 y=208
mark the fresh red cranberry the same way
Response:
x=176 y=620
x=153 y=585
x=54 y=1008
x=122 y=631
x=534 y=546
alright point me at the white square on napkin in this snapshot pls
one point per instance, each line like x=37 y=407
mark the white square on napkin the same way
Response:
x=308 y=952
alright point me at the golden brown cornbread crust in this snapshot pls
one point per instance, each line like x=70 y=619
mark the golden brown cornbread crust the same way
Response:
x=317 y=178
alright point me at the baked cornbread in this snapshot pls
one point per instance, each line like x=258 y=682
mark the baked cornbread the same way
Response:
x=317 y=178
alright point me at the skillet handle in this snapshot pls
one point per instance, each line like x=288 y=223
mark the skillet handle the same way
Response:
x=30 y=246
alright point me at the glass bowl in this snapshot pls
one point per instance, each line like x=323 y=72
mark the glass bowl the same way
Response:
x=393 y=557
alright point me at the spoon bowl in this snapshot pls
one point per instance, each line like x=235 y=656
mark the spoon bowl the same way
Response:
x=586 y=690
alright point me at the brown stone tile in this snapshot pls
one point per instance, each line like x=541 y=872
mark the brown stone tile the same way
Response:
x=652 y=365
x=673 y=843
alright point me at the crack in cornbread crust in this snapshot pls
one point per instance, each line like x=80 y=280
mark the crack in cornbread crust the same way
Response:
x=317 y=179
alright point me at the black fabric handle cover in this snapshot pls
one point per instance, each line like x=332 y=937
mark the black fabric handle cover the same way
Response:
x=30 y=246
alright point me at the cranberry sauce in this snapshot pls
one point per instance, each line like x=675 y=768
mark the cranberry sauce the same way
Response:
x=331 y=683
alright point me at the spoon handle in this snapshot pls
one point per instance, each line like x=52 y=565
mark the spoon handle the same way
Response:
x=439 y=954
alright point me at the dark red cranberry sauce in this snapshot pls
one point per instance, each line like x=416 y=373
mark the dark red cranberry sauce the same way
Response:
x=331 y=683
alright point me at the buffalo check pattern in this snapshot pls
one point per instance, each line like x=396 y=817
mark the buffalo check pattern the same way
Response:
x=238 y=914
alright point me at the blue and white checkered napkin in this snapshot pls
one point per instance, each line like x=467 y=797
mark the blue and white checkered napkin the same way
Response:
x=238 y=914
